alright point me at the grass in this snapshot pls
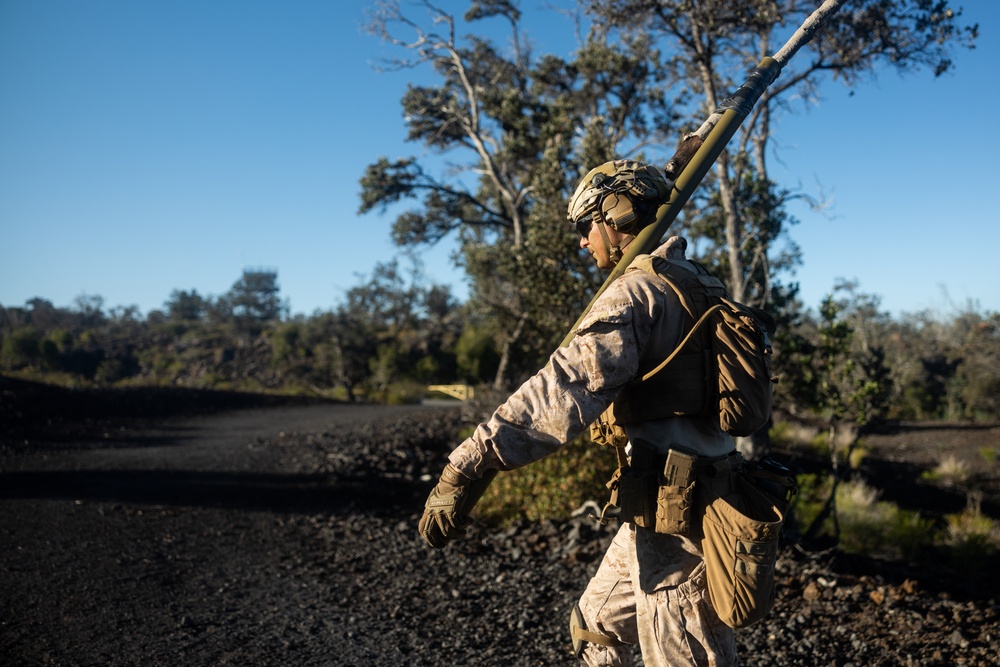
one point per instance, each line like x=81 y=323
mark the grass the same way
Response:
x=878 y=528
x=868 y=525
x=971 y=536
x=949 y=471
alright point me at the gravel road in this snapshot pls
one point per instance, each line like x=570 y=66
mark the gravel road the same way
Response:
x=286 y=536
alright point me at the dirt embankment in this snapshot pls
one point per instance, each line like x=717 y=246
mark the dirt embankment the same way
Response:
x=285 y=535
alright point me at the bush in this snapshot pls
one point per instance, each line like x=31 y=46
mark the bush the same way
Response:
x=877 y=528
x=814 y=489
x=551 y=488
x=972 y=537
x=403 y=393
x=949 y=471
x=867 y=525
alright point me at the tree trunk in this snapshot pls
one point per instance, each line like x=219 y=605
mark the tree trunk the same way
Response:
x=508 y=344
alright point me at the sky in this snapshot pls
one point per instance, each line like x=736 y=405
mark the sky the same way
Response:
x=162 y=145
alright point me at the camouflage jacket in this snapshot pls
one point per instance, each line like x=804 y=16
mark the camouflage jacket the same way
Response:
x=634 y=325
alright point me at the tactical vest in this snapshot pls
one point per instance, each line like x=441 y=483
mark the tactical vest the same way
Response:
x=722 y=368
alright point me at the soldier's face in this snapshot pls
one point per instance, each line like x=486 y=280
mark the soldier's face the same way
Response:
x=594 y=243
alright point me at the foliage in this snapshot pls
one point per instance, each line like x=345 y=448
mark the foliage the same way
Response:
x=186 y=306
x=389 y=337
x=879 y=528
x=516 y=130
x=972 y=536
x=862 y=524
x=552 y=487
x=253 y=300
x=708 y=47
x=949 y=471
x=475 y=355
x=507 y=122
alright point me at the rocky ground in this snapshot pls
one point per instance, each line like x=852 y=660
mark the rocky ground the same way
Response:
x=164 y=529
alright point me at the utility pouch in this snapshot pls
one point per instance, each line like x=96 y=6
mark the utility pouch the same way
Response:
x=607 y=431
x=658 y=497
x=675 y=494
x=637 y=497
x=740 y=545
x=673 y=509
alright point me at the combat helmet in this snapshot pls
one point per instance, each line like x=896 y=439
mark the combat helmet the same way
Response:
x=626 y=192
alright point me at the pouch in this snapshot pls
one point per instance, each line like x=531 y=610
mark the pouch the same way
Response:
x=637 y=498
x=740 y=545
x=673 y=509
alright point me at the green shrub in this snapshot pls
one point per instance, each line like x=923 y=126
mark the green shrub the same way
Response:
x=780 y=434
x=878 y=528
x=971 y=536
x=867 y=525
x=814 y=489
x=856 y=455
x=403 y=393
x=949 y=471
x=819 y=445
x=551 y=488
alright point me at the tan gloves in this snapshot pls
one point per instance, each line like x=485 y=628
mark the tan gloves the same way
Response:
x=445 y=512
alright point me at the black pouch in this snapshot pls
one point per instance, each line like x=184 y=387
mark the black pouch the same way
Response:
x=637 y=497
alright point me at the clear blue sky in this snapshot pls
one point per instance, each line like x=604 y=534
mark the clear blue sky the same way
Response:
x=159 y=145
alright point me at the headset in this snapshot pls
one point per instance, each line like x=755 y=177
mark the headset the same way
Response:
x=617 y=207
x=619 y=212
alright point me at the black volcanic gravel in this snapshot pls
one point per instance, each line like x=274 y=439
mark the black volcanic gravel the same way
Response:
x=286 y=535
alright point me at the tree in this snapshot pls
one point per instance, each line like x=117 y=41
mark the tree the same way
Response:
x=516 y=127
x=90 y=310
x=391 y=328
x=253 y=299
x=852 y=384
x=977 y=382
x=508 y=123
x=946 y=367
x=186 y=306
x=711 y=44
x=22 y=347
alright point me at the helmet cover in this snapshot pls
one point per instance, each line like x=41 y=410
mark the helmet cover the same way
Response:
x=645 y=186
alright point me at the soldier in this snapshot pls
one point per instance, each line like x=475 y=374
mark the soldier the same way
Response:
x=650 y=589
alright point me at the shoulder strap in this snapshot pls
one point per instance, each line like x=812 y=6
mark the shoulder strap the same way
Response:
x=669 y=274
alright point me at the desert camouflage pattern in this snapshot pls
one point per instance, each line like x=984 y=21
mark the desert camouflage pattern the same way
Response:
x=635 y=324
x=650 y=588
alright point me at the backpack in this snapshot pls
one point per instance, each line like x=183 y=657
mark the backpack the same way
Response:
x=721 y=368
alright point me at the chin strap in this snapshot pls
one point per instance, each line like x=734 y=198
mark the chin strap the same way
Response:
x=614 y=251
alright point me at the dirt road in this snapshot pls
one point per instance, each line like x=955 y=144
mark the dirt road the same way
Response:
x=286 y=536
x=189 y=543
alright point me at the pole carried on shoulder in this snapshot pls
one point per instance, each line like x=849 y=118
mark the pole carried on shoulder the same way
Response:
x=707 y=143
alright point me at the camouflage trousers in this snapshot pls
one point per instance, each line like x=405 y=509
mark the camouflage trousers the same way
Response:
x=650 y=590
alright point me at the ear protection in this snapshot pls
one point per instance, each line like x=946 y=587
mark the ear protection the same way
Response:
x=619 y=212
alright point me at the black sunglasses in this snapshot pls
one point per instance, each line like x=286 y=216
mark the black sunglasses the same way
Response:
x=585 y=224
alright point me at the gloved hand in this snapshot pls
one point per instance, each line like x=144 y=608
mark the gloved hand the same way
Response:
x=444 y=517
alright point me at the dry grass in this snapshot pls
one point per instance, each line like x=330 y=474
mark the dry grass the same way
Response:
x=949 y=471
